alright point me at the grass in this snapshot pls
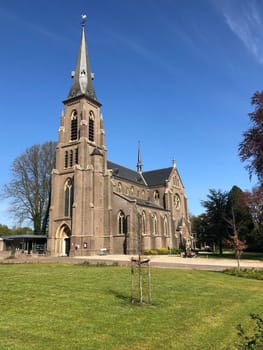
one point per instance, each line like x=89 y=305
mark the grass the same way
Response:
x=246 y=273
x=230 y=254
x=54 y=306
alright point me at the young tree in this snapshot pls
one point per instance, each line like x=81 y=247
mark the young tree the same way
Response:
x=30 y=187
x=215 y=206
x=234 y=241
x=251 y=148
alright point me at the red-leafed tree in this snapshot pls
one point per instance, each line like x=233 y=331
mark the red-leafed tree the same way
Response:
x=251 y=151
x=251 y=148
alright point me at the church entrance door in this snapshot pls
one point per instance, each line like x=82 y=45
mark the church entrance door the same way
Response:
x=67 y=246
x=64 y=240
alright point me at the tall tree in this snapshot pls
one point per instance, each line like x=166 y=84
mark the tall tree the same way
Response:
x=254 y=201
x=251 y=148
x=239 y=213
x=216 y=205
x=30 y=187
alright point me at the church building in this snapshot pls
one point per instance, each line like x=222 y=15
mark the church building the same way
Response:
x=98 y=205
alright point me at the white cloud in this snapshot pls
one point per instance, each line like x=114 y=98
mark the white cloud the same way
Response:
x=245 y=19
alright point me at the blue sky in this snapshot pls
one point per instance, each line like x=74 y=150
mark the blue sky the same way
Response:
x=178 y=75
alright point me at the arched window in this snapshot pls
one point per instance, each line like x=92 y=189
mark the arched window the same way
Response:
x=143 y=194
x=74 y=126
x=143 y=223
x=68 y=191
x=154 y=224
x=91 y=126
x=122 y=223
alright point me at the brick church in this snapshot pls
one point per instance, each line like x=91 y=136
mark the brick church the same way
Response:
x=98 y=204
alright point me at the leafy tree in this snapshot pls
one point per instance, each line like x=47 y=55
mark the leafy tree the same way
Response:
x=30 y=187
x=254 y=200
x=238 y=211
x=251 y=148
x=216 y=206
x=4 y=230
x=200 y=226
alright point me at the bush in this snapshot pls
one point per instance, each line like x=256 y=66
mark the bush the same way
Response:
x=150 y=252
x=246 y=273
x=162 y=251
x=251 y=340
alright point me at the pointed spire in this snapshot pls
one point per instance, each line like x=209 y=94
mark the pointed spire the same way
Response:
x=139 y=161
x=82 y=76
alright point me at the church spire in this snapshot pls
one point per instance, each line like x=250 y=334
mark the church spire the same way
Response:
x=139 y=161
x=82 y=76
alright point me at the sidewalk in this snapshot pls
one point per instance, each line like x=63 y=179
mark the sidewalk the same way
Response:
x=161 y=261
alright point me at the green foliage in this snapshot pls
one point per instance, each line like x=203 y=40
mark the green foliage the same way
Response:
x=78 y=307
x=163 y=251
x=246 y=273
x=5 y=230
x=151 y=252
x=250 y=340
x=251 y=148
x=215 y=206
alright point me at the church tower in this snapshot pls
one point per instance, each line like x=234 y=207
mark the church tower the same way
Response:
x=80 y=208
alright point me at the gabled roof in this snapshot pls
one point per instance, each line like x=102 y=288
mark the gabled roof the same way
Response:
x=153 y=178
x=157 y=177
x=124 y=173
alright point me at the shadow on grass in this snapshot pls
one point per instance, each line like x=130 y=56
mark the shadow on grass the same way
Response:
x=128 y=301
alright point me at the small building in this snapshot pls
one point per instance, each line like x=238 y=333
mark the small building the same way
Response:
x=28 y=244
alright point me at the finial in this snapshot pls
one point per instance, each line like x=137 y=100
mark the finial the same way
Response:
x=174 y=163
x=83 y=20
x=139 y=161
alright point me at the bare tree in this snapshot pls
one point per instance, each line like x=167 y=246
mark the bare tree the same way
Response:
x=30 y=187
x=238 y=245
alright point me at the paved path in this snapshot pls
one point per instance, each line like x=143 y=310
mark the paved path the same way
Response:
x=161 y=261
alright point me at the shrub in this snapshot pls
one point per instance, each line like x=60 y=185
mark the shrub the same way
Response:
x=151 y=252
x=246 y=273
x=251 y=340
x=162 y=251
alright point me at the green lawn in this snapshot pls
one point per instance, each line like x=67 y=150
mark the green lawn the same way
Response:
x=229 y=254
x=81 y=307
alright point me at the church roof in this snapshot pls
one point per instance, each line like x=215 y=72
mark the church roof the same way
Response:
x=156 y=177
x=124 y=173
x=82 y=76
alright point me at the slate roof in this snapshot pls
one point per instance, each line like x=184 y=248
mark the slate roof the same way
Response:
x=82 y=78
x=157 y=177
x=124 y=173
x=153 y=178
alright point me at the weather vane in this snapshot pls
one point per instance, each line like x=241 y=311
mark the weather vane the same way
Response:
x=83 y=19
